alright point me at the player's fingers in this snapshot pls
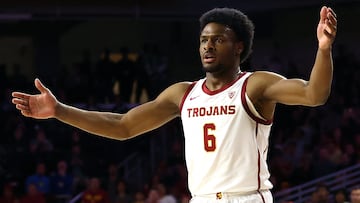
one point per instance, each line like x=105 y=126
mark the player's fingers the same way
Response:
x=20 y=101
x=40 y=86
x=323 y=14
x=328 y=33
x=20 y=95
x=22 y=107
x=26 y=113
x=330 y=28
x=332 y=19
x=332 y=11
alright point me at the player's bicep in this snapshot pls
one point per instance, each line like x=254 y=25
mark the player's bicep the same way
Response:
x=289 y=91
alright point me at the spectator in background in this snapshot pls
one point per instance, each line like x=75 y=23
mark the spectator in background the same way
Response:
x=340 y=196
x=42 y=145
x=39 y=179
x=42 y=142
x=153 y=196
x=33 y=195
x=158 y=66
x=94 y=193
x=151 y=72
x=355 y=194
x=144 y=72
x=111 y=181
x=322 y=164
x=77 y=164
x=18 y=153
x=139 y=197
x=321 y=194
x=164 y=195
x=76 y=137
x=122 y=195
x=8 y=195
x=142 y=76
x=76 y=160
x=61 y=183
x=18 y=142
x=104 y=79
x=125 y=74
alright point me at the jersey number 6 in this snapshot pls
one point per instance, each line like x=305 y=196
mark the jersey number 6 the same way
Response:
x=209 y=139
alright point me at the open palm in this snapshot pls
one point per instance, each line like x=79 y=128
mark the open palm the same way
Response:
x=40 y=106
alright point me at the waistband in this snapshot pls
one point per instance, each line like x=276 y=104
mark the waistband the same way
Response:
x=220 y=195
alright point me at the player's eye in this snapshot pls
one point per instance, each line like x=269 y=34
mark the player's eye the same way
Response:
x=219 y=40
x=203 y=40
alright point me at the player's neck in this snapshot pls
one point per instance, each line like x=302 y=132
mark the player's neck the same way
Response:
x=215 y=81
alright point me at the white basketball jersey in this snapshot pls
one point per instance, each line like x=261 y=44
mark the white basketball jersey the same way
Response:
x=225 y=143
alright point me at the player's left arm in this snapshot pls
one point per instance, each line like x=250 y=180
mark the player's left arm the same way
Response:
x=316 y=90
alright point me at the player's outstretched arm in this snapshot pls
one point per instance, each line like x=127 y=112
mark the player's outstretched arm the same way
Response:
x=322 y=73
x=112 y=125
x=316 y=90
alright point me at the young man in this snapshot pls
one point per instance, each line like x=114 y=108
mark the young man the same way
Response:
x=226 y=116
x=355 y=194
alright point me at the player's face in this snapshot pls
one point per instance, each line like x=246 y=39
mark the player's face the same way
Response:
x=219 y=50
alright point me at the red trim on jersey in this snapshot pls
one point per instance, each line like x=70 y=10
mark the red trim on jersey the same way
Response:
x=209 y=92
x=191 y=86
x=258 y=178
x=257 y=128
x=258 y=163
x=262 y=196
x=247 y=109
x=258 y=160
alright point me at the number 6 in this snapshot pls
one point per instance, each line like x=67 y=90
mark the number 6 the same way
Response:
x=209 y=139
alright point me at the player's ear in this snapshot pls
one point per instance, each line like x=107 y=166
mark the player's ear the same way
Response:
x=239 y=47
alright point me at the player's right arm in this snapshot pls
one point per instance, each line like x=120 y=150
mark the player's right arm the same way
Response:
x=138 y=120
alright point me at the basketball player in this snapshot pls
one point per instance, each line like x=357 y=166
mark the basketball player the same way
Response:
x=226 y=116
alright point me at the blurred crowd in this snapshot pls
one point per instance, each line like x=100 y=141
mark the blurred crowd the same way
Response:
x=47 y=161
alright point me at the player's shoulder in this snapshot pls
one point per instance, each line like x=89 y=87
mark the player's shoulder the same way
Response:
x=266 y=75
x=175 y=92
x=181 y=87
x=260 y=80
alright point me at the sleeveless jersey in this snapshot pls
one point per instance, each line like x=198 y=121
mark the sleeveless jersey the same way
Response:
x=225 y=143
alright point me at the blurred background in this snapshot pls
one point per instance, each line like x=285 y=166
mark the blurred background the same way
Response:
x=113 y=55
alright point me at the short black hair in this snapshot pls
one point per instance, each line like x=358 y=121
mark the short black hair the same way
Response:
x=235 y=20
x=356 y=187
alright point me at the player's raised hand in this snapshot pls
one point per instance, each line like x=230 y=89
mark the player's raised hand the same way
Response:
x=326 y=30
x=39 y=106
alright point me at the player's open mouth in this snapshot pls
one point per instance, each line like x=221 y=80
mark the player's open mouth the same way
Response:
x=209 y=58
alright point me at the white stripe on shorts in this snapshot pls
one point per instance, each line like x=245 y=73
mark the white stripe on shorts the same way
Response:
x=249 y=197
